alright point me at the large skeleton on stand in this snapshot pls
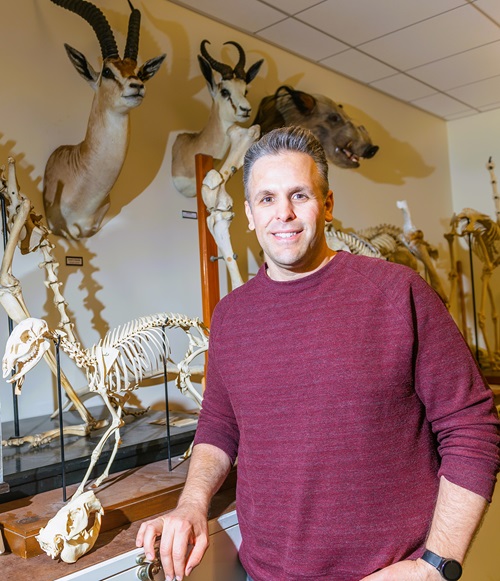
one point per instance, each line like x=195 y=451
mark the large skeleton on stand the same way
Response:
x=114 y=368
x=483 y=234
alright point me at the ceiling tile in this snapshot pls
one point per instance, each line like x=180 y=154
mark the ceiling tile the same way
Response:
x=490 y=7
x=293 y=6
x=364 y=20
x=443 y=57
x=461 y=69
x=403 y=87
x=441 y=105
x=439 y=37
x=479 y=94
x=302 y=39
x=249 y=15
x=357 y=65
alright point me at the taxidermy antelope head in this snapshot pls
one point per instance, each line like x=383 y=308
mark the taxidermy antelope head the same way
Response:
x=344 y=142
x=229 y=106
x=78 y=178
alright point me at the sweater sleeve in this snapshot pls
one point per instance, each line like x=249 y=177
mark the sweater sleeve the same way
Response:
x=458 y=401
x=217 y=424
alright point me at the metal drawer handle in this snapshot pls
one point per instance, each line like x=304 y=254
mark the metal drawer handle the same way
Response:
x=147 y=570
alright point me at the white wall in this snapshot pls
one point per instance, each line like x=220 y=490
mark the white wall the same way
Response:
x=145 y=258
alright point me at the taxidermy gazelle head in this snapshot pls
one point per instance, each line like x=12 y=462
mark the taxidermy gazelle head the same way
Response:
x=229 y=94
x=228 y=89
x=78 y=178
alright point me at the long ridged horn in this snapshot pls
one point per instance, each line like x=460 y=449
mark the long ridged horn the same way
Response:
x=225 y=70
x=134 y=24
x=97 y=20
x=239 y=69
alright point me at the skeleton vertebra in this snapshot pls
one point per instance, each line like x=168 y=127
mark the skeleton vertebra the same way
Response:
x=229 y=106
x=78 y=178
x=73 y=531
x=344 y=142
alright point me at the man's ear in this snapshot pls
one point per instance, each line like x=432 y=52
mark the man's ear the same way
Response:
x=329 y=203
x=248 y=212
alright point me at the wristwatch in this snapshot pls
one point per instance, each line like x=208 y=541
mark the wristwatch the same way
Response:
x=450 y=569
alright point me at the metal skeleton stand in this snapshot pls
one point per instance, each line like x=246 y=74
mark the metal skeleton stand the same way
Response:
x=474 y=312
x=4 y=487
x=61 y=426
x=10 y=323
x=167 y=410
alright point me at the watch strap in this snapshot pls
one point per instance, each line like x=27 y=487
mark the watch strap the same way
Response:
x=432 y=558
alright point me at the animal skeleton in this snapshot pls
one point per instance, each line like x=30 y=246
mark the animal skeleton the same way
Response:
x=344 y=142
x=229 y=106
x=78 y=178
x=27 y=231
x=73 y=531
x=402 y=245
x=116 y=365
x=483 y=234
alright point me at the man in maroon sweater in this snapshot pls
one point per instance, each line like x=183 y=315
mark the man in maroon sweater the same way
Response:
x=366 y=438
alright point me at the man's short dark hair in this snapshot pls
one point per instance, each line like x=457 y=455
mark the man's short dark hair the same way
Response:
x=282 y=140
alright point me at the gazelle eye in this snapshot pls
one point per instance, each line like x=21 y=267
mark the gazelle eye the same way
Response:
x=225 y=93
x=108 y=73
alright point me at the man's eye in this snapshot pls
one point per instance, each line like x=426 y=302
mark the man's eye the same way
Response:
x=267 y=200
x=299 y=196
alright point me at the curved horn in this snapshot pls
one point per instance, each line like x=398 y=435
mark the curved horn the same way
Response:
x=97 y=20
x=239 y=69
x=225 y=70
x=134 y=24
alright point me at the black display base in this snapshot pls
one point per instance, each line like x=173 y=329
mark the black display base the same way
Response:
x=29 y=471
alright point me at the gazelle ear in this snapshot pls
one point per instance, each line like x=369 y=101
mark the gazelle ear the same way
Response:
x=252 y=71
x=150 y=68
x=82 y=65
x=206 y=71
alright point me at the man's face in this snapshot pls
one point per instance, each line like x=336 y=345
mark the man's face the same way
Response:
x=287 y=210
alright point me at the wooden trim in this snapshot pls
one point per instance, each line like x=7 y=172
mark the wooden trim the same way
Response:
x=209 y=269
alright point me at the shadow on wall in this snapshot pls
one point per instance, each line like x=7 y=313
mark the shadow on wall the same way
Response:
x=396 y=160
x=32 y=188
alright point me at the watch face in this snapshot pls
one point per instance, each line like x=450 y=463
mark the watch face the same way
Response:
x=451 y=570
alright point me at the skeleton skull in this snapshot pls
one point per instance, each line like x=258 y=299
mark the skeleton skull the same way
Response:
x=25 y=347
x=73 y=531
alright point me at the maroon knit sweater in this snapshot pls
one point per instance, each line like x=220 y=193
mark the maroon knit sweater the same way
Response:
x=345 y=395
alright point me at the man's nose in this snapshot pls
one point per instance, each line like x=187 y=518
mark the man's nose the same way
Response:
x=284 y=210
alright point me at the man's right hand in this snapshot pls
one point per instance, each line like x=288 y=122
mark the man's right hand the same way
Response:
x=184 y=540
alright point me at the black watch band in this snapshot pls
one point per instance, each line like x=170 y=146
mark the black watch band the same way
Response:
x=449 y=569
